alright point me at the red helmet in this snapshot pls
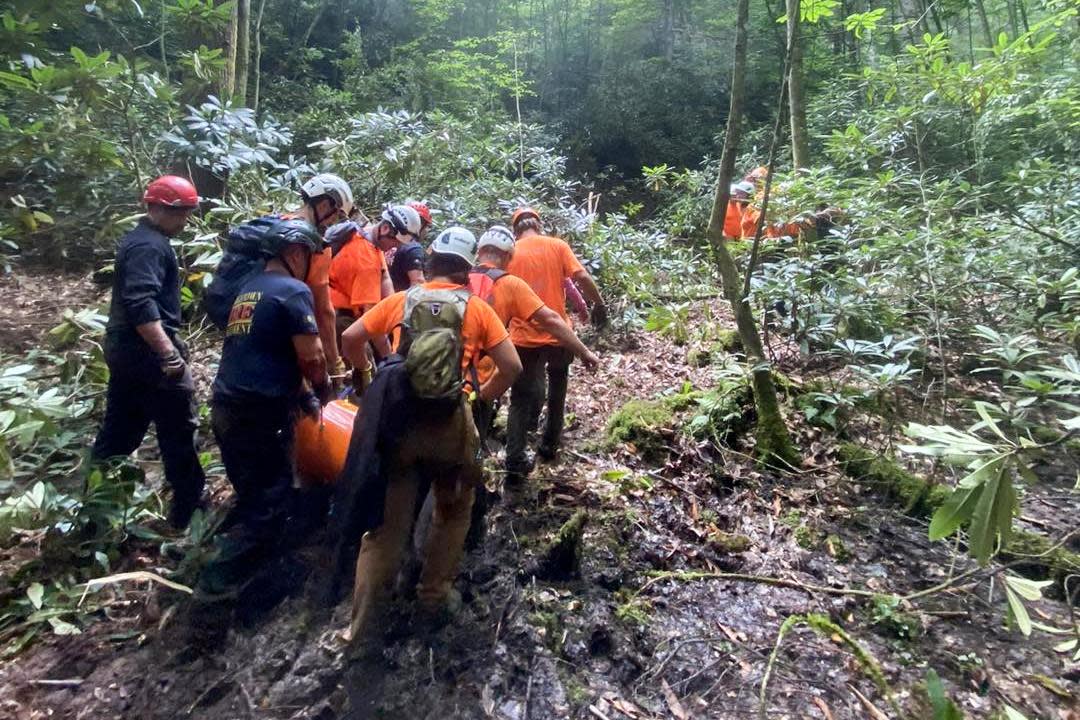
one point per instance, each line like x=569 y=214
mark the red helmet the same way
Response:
x=422 y=210
x=171 y=191
x=523 y=212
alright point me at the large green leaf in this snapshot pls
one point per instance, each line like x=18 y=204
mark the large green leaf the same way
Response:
x=954 y=512
x=993 y=512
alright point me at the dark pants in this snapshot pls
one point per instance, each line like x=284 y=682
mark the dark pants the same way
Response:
x=256 y=441
x=527 y=398
x=138 y=395
x=256 y=447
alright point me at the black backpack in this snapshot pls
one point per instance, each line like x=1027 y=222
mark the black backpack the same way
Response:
x=244 y=258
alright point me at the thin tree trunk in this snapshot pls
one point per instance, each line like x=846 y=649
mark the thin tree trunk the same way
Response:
x=800 y=143
x=773 y=441
x=314 y=22
x=258 y=54
x=243 y=50
x=985 y=23
x=228 y=78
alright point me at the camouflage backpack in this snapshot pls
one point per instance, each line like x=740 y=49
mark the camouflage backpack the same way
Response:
x=431 y=341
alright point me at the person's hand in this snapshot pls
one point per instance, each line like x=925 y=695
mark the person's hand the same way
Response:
x=591 y=361
x=599 y=316
x=338 y=375
x=172 y=365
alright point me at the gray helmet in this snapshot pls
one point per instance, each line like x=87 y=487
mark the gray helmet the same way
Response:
x=291 y=232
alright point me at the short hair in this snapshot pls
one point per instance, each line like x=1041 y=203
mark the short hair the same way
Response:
x=449 y=266
x=528 y=223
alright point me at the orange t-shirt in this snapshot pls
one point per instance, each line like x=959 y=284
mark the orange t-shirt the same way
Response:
x=356 y=275
x=511 y=297
x=480 y=330
x=733 y=220
x=750 y=221
x=544 y=263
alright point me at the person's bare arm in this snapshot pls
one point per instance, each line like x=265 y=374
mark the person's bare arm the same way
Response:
x=549 y=321
x=507 y=369
x=588 y=287
x=153 y=334
x=416 y=277
x=312 y=359
x=353 y=341
x=325 y=319
x=387 y=285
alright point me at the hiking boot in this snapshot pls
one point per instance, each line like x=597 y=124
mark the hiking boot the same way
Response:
x=547 y=453
x=518 y=470
x=431 y=619
x=183 y=508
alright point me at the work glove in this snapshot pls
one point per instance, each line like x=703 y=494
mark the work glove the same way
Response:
x=338 y=375
x=182 y=348
x=310 y=405
x=599 y=316
x=362 y=379
x=172 y=365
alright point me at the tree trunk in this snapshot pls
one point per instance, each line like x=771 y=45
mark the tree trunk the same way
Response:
x=258 y=54
x=773 y=442
x=985 y=23
x=228 y=77
x=800 y=143
x=243 y=50
x=314 y=22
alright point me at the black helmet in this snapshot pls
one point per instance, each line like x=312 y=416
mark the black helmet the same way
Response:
x=291 y=232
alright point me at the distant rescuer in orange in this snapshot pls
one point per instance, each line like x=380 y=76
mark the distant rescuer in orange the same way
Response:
x=740 y=195
x=544 y=262
x=513 y=299
x=149 y=378
x=752 y=214
x=327 y=200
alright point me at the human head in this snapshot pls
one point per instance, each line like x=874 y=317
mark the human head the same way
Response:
x=327 y=200
x=453 y=254
x=742 y=191
x=525 y=219
x=397 y=225
x=496 y=246
x=425 y=217
x=757 y=175
x=170 y=200
x=292 y=242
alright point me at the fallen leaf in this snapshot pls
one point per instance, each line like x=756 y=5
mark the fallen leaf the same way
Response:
x=874 y=713
x=673 y=703
x=823 y=708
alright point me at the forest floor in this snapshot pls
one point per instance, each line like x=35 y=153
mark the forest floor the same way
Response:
x=637 y=634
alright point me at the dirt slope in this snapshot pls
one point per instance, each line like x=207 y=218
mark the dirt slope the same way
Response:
x=618 y=642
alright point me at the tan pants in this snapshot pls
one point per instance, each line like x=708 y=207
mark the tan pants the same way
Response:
x=448 y=448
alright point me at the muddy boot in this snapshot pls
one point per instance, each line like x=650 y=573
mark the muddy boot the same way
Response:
x=518 y=470
x=429 y=620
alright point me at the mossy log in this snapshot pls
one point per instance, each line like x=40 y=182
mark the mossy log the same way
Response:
x=921 y=497
x=561 y=558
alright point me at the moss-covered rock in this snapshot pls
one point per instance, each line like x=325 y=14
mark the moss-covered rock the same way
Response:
x=727 y=342
x=728 y=543
x=1058 y=562
x=918 y=496
x=645 y=424
x=837 y=549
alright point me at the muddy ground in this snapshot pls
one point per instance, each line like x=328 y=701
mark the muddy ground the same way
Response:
x=618 y=641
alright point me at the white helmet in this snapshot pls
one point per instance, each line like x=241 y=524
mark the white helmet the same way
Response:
x=402 y=218
x=332 y=186
x=456 y=241
x=499 y=237
x=744 y=189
